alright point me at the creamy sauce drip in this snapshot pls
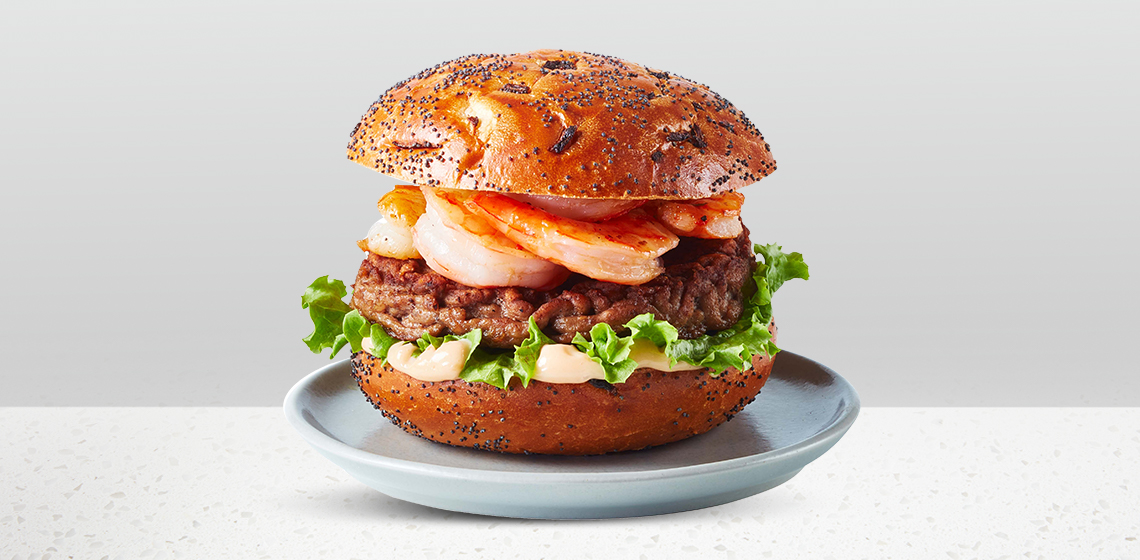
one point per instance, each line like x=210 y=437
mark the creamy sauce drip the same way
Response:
x=565 y=363
x=434 y=364
x=557 y=363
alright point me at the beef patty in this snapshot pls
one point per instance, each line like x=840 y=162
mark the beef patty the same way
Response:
x=700 y=291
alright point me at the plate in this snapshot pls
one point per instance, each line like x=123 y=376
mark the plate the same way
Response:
x=802 y=411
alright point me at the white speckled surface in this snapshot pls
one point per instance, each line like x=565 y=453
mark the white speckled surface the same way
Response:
x=238 y=483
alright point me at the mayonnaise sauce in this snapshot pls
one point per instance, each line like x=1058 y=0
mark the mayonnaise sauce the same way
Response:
x=434 y=364
x=557 y=363
x=565 y=363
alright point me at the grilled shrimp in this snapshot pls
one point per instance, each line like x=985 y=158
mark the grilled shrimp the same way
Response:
x=462 y=246
x=623 y=250
x=391 y=235
x=710 y=218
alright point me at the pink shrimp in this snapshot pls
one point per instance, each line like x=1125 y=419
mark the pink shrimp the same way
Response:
x=623 y=250
x=717 y=217
x=462 y=246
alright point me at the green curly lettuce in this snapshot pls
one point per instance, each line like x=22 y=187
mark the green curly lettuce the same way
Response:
x=609 y=350
x=733 y=347
x=323 y=298
x=336 y=325
x=526 y=354
x=356 y=329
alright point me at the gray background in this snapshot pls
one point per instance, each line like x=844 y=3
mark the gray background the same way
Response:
x=961 y=176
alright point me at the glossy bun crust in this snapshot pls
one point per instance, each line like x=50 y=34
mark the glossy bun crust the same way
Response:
x=651 y=408
x=560 y=123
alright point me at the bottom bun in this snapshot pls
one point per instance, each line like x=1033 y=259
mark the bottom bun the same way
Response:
x=651 y=408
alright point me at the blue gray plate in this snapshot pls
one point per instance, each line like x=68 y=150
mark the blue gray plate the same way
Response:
x=803 y=410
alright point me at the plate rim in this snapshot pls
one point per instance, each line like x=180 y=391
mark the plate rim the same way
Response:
x=329 y=444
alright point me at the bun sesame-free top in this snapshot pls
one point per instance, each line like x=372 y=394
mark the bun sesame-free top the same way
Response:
x=560 y=123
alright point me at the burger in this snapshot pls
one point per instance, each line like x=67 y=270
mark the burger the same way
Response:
x=566 y=271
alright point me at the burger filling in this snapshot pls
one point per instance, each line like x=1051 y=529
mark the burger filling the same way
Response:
x=700 y=291
x=488 y=287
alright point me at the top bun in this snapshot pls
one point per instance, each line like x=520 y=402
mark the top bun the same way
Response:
x=560 y=123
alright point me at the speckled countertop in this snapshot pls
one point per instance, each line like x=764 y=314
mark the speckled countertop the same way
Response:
x=239 y=483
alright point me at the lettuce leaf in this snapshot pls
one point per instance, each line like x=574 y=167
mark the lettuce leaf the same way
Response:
x=496 y=368
x=778 y=267
x=609 y=350
x=323 y=299
x=337 y=325
x=526 y=354
x=660 y=333
x=357 y=328
x=733 y=347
